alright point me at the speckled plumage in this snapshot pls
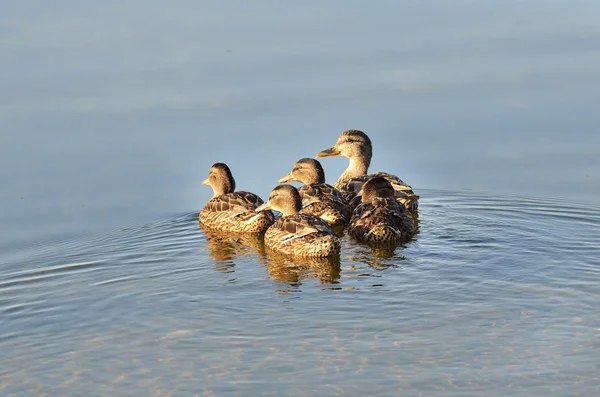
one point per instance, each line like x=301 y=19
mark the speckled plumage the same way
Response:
x=327 y=203
x=231 y=211
x=319 y=198
x=297 y=234
x=379 y=218
x=352 y=190
x=302 y=235
x=234 y=212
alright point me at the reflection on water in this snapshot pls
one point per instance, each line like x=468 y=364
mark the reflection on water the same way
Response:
x=377 y=255
x=293 y=270
x=495 y=293
x=225 y=246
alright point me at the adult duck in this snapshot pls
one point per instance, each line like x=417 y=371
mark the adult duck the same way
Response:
x=229 y=210
x=379 y=218
x=319 y=198
x=295 y=233
x=356 y=146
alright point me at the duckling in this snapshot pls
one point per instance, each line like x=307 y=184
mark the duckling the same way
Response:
x=232 y=211
x=319 y=198
x=379 y=218
x=297 y=234
x=357 y=147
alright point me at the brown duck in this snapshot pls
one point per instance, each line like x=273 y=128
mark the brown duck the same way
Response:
x=229 y=210
x=379 y=218
x=319 y=198
x=357 y=147
x=297 y=234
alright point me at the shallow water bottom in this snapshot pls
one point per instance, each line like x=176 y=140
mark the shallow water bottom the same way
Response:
x=494 y=296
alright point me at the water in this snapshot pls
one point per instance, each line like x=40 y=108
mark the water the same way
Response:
x=113 y=113
x=493 y=294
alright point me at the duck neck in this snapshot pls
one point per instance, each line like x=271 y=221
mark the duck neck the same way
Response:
x=358 y=167
x=313 y=179
x=290 y=208
x=223 y=186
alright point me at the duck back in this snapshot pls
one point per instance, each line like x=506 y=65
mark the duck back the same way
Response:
x=381 y=220
x=302 y=235
x=352 y=190
x=234 y=212
x=325 y=202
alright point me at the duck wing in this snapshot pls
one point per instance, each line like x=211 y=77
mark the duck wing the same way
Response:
x=355 y=184
x=378 y=210
x=352 y=190
x=321 y=192
x=299 y=225
x=233 y=204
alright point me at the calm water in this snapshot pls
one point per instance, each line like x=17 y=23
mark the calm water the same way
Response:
x=495 y=296
x=112 y=113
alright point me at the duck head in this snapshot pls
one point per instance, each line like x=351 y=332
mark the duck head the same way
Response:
x=220 y=179
x=284 y=199
x=308 y=171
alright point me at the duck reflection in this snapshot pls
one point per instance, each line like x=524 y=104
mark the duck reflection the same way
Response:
x=293 y=270
x=224 y=247
x=376 y=256
x=375 y=252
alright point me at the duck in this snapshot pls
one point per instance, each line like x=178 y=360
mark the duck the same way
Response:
x=379 y=218
x=297 y=234
x=318 y=198
x=356 y=146
x=231 y=211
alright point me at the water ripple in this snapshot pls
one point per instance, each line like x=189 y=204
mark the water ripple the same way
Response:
x=494 y=292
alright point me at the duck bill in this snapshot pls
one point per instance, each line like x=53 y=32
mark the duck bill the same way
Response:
x=287 y=178
x=332 y=151
x=264 y=207
x=206 y=182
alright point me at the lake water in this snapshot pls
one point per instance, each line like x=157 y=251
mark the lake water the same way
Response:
x=112 y=113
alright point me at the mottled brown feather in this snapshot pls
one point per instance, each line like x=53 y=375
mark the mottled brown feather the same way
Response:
x=302 y=235
x=234 y=212
x=326 y=202
x=381 y=220
x=352 y=190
